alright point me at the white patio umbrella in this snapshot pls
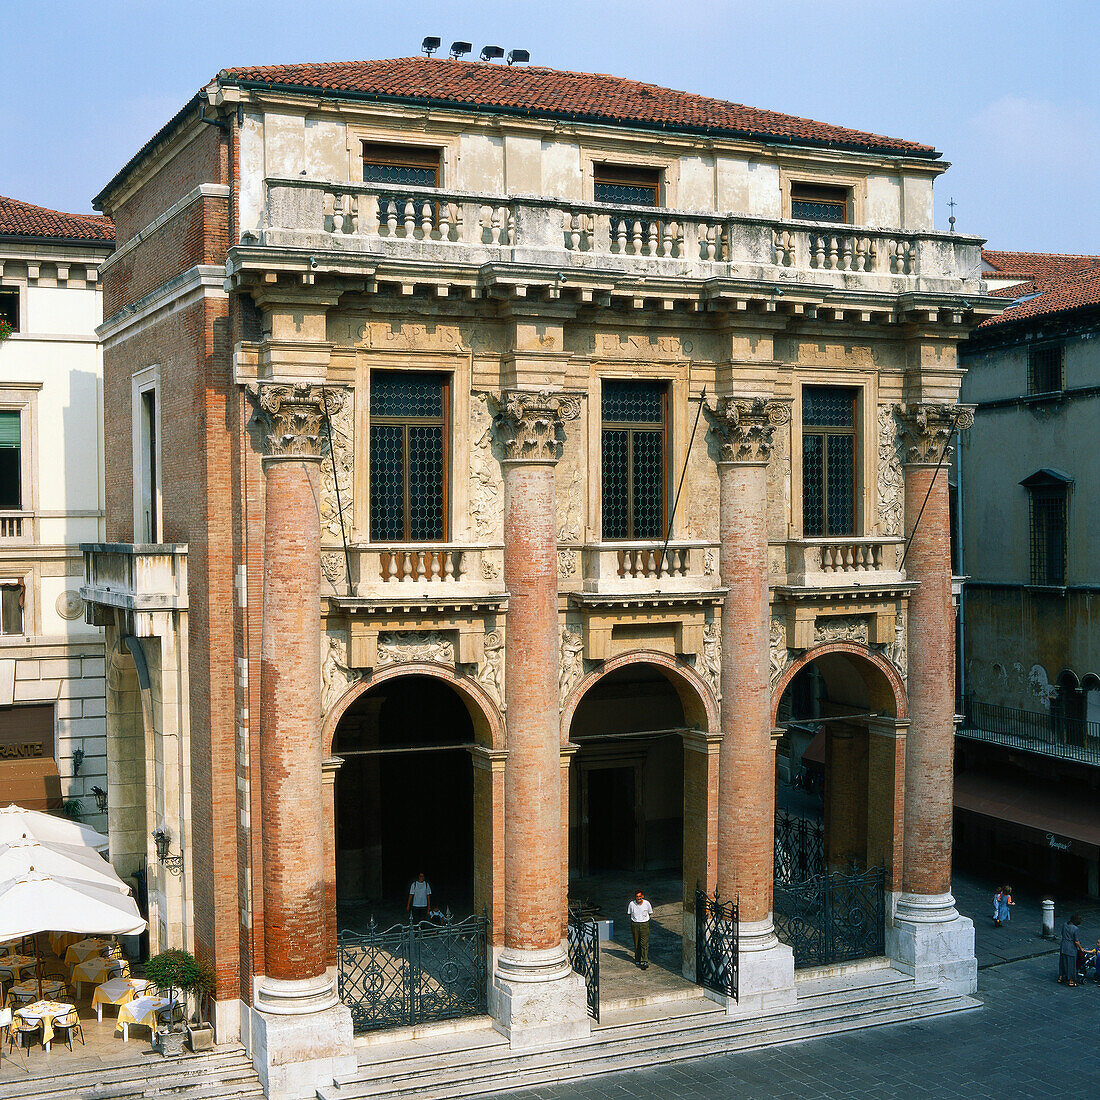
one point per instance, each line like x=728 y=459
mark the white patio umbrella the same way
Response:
x=17 y=822
x=67 y=860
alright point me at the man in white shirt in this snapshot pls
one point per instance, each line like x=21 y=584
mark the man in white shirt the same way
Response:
x=420 y=898
x=640 y=911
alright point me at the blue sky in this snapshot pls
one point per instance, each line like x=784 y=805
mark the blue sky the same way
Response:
x=1006 y=90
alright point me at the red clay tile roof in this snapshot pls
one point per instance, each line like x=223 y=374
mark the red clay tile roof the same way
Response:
x=1011 y=265
x=545 y=92
x=1051 y=284
x=22 y=219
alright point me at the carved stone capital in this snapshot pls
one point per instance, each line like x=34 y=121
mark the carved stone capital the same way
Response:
x=529 y=423
x=925 y=430
x=744 y=426
x=293 y=418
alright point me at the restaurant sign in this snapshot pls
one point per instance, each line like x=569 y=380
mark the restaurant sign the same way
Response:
x=26 y=733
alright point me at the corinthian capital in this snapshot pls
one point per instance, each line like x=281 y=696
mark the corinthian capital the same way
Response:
x=925 y=430
x=529 y=423
x=744 y=426
x=293 y=417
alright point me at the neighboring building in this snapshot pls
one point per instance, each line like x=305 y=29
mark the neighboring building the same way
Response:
x=52 y=747
x=456 y=636
x=1028 y=475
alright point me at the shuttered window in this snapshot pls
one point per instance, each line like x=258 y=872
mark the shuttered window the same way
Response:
x=11 y=475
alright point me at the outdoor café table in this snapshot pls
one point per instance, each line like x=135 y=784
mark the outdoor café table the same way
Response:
x=118 y=991
x=15 y=965
x=84 y=949
x=47 y=1012
x=141 y=1010
x=61 y=941
x=51 y=987
x=97 y=969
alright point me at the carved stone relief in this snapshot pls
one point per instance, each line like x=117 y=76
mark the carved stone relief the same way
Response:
x=778 y=654
x=341 y=418
x=401 y=647
x=572 y=664
x=710 y=561
x=569 y=509
x=69 y=605
x=486 y=485
x=894 y=651
x=567 y=563
x=710 y=664
x=490 y=669
x=332 y=567
x=891 y=481
x=292 y=417
x=530 y=423
x=926 y=430
x=336 y=676
x=841 y=628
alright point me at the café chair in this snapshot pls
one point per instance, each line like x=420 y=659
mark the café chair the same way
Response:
x=20 y=1029
x=70 y=1023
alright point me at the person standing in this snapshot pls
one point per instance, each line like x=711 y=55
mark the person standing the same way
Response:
x=420 y=898
x=997 y=898
x=1004 y=904
x=1067 y=957
x=640 y=911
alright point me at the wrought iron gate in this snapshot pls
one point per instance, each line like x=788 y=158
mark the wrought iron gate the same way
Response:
x=584 y=956
x=833 y=917
x=799 y=848
x=716 y=943
x=413 y=973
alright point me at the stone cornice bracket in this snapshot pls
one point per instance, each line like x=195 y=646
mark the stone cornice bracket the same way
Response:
x=744 y=426
x=293 y=418
x=926 y=429
x=529 y=423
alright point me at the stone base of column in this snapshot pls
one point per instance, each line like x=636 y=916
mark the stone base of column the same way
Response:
x=536 y=999
x=765 y=971
x=299 y=1036
x=933 y=943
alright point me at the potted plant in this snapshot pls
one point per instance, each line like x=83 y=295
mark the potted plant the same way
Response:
x=171 y=971
x=200 y=1031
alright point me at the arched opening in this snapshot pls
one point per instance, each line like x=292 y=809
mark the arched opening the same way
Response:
x=1068 y=710
x=1090 y=685
x=404 y=799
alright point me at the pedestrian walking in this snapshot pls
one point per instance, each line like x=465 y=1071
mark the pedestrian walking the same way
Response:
x=640 y=911
x=1067 y=956
x=420 y=898
x=997 y=907
x=1004 y=905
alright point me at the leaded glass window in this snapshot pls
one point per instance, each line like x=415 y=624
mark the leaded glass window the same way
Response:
x=626 y=186
x=408 y=164
x=634 y=449
x=828 y=461
x=817 y=203
x=408 y=456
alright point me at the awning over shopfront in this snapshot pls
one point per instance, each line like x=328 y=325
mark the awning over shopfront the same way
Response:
x=1063 y=811
x=814 y=752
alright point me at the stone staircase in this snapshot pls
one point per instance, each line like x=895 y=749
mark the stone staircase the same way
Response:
x=444 y=1064
x=225 y=1073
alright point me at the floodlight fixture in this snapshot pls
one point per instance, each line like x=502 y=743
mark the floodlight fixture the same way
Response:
x=429 y=46
x=460 y=49
x=518 y=57
x=491 y=53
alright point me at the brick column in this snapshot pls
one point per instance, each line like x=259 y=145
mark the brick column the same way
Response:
x=743 y=428
x=929 y=938
x=536 y=997
x=295 y=1000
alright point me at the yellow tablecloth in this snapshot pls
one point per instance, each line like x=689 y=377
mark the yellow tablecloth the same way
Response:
x=50 y=988
x=141 y=1010
x=97 y=969
x=118 y=991
x=15 y=964
x=47 y=1012
x=60 y=941
x=84 y=949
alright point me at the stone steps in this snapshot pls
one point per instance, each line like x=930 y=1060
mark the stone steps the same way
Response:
x=481 y=1062
x=223 y=1074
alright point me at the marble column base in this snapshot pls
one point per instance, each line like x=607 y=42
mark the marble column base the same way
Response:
x=536 y=999
x=765 y=975
x=294 y=1047
x=933 y=943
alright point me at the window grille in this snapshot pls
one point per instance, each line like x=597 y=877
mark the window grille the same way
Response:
x=401 y=164
x=828 y=461
x=634 y=447
x=1048 y=536
x=1045 y=369
x=626 y=186
x=408 y=456
x=817 y=203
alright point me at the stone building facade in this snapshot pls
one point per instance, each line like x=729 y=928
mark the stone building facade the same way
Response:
x=52 y=725
x=549 y=418
x=1029 y=747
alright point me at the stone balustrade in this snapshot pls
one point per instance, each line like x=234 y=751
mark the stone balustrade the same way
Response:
x=465 y=227
x=416 y=569
x=844 y=561
x=14 y=526
x=633 y=567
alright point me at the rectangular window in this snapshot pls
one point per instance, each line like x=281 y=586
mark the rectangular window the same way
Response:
x=9 y=306
x=11 y=609
x=1048 y=535
x=149 y=474
x=818 y=203
x=626 y=186
x=828 y=461
x=400 y=164
x=1044 y=369
x=634 y=448
x=11 y=461
x=408 y=456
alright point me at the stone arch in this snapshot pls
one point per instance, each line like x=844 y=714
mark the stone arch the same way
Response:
x=700 y=705
x=878 y=676
x=486 y=717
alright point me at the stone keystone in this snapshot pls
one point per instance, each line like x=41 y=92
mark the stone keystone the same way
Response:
x=293 y=417
x=529 y=423
x=925 y=431
x=744 y=426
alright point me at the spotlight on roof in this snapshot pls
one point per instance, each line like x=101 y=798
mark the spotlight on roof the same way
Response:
x=460 y=49
x=491 y=53
x=429 y=46
x=518 y=57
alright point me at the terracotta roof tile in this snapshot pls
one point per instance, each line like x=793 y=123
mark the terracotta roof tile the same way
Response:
x=22 y=219
x=531 y=90
x=1009 y=265
x=1045 y=295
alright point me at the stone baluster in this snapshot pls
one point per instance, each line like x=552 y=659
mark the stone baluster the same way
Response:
x=536 y=997
x=410 y=218
x=391 y=215
x=929 y=938
x=444 y=221
x=743 y=429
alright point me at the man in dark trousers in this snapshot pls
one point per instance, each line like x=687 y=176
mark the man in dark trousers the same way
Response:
x=420 y=898
x=640 y=911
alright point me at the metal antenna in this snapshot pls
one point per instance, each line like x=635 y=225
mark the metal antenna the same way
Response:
x=951 y=220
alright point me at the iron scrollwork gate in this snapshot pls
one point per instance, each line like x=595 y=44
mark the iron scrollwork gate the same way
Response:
x=716 y=944
x=584 y=956
x=413 y=973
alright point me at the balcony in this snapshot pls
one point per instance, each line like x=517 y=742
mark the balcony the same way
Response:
x=844 y=562
x=15 y=528
x=415 y=572
x=1029 y=731
x=648 y=568
x=140 y=580
x=468 y=228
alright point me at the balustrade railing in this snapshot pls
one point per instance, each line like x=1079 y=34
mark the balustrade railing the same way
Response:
x=11 y=526
x=1052 y=734
x=645 y=565
x=381 y=570
x=855 y=560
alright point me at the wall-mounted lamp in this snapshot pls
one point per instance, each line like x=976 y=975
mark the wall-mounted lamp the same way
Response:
x=163 y=842
x=78 y=760
x=100 y=796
